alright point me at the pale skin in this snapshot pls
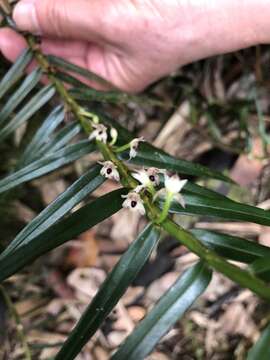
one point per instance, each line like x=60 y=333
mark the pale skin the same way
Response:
x=133 y=43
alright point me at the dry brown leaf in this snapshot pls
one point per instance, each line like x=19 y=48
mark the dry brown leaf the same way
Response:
x=247 y=168
x=86 y=282
x=84 y=252
x=51 y=189
x=136 y=313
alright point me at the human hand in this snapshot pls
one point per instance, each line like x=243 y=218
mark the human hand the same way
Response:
x=132 y=43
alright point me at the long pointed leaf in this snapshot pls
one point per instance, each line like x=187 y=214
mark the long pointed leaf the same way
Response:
x=232 y=247
x=165 y=314
x=111 y=291
x=66 y=229
x=261 y=350
x=86 y=184
x=39 y=100
x=65 y=65
x=261 y=268
x=15 y=72
x=150 y=156
x=61 y=138
x=224 y=209
x=47 y=164
x=20 y=94
x=42 y=135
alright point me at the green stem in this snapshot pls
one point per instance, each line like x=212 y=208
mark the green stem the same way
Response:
x=19 y=326
x=242 y=277
x=122 y=148
x=166 y=208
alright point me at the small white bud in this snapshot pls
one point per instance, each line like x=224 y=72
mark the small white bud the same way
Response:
x=114 y=135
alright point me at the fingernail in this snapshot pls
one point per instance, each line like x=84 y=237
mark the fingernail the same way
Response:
x=25 y=16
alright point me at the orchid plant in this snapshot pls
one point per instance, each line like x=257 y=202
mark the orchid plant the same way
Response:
x=153 y=188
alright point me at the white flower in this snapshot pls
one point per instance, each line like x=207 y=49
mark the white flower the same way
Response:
x=133 y=202
x=109 y=170
x=171 y=191
x=134 y=147
x=173 y=184
x=100 y=133
x=147 y=177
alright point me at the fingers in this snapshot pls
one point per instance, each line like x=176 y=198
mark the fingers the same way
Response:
x=79 y=53
x=72 y=19
x=11 y=44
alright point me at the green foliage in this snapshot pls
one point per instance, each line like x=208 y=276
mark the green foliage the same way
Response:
x=165 y=314
x=262 y=349
x=56 y=144
x=110 y=292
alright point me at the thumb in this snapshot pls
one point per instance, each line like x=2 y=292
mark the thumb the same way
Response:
x=73 y=19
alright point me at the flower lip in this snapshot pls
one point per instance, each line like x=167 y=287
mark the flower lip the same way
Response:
x=109 y=170
x=147 y=177
x=134 y=146
x=100 y=133
x=133 y=202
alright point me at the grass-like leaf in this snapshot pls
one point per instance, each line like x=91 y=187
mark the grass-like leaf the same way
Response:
x=232 y=247
x=111 y=291
x=86 y=184
x=261 y=350
x=64 y=65
x=261 y=268
x=42 y=136
x=221 y=208
x=36 y=103
x=114 y=97
x=19 y=95
x=47 y=164
x=15 y=72
x=150 y=156
x=63 y=231
x=173 y=304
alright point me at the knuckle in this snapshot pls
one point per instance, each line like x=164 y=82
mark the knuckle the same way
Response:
x=54 y=17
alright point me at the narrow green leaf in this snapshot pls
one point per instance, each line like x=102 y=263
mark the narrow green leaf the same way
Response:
x=114 y=97
x=39 y=100
x=173 y=304
x=61 y=232
x=19 y=95
x=61 y=138
x=261 y=268
x=193 y=188
x=221 y=208
x=110 y=292
x=15 y=72
x=232 y=247
x=72 y=196
x=47 y=164
x=67 y=66
x=150 y=156
x=42 y=135
x=261 y=350
x=233 y=272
